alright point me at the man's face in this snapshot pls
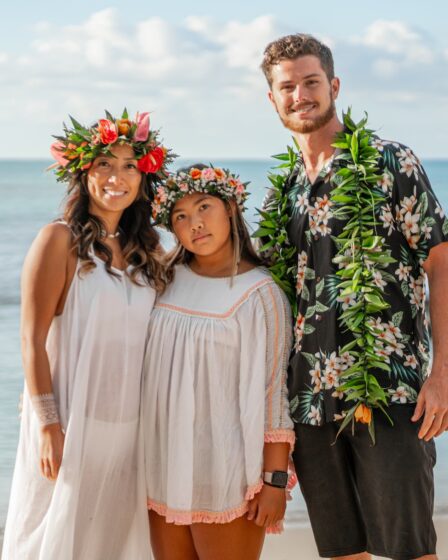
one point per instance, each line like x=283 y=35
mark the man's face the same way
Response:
x=302 y=94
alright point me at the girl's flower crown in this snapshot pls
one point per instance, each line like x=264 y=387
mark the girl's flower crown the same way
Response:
x=79 y=146
x=210 y=180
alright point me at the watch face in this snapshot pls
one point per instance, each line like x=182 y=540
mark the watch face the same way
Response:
x=279 y=478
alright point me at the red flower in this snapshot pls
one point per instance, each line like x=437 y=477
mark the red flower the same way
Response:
x=108 y=131
x=152 y=162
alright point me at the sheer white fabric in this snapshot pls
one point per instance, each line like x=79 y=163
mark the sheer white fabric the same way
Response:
x=214 y=391
x=96 y=510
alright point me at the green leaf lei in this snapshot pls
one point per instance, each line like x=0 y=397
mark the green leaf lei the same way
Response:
x=361 y=253
x=272 y=229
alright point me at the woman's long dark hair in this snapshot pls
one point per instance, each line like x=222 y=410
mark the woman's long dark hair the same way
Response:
x=140 y=242
x=242 y=243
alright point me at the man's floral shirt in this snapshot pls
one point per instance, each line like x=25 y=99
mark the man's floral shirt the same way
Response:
x=412 y=221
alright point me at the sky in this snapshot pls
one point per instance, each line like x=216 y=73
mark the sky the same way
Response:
x=195 y=66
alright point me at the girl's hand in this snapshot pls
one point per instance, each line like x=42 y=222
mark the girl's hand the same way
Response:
x=268 y=506
x=51 y=450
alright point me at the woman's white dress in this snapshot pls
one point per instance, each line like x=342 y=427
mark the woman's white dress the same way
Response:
x=214 y=392
x=96 y=509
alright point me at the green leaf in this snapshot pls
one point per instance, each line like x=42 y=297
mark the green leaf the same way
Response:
x=294 y=404
x=308 y=329
x=321 y=308
x=320 y=287
x=310 y=358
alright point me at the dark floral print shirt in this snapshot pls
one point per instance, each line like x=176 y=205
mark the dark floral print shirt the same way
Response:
x=412 y=221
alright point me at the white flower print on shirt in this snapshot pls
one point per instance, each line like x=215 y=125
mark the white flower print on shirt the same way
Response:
x=314 y=416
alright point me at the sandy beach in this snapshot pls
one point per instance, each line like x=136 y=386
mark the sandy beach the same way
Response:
x=298 y=543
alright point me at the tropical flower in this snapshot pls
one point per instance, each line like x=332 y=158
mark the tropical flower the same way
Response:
x=108 y=131
x=142 y=130
x=363 y=414
x=301 y=202
x=400 y=394
x=314 y=416
x=403 y=272
x=347 y=300
x=386 y=182
x=299 y=331
x=411 y=361
x=152 y=162
x=387 y=218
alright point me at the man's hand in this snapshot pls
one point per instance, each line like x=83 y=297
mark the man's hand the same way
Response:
x=433 y=397
x=268 y=507
x=433 y=403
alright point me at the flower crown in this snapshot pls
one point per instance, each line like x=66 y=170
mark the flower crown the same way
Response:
x=211 y=180
x=79 y=146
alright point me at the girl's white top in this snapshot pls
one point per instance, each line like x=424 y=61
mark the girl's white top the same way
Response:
x=96 y=509
x=214 y=392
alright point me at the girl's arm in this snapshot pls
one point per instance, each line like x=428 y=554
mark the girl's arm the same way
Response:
x=44 y=279
x=268 y=507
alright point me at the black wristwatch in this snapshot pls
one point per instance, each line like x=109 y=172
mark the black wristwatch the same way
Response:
x=278 y=479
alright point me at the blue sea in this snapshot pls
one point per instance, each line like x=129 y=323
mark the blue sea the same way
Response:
x=31 y=198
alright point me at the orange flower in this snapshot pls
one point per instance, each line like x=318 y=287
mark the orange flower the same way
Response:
x=363 y=414
x=219 y=173
x=123 y=125
x=195 y=173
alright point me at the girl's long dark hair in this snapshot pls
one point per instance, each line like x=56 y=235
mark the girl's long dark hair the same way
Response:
x=140 y=242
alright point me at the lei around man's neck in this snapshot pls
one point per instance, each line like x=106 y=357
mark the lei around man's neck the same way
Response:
x=361 y=253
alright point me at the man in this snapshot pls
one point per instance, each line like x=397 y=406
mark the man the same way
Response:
x=362 y=499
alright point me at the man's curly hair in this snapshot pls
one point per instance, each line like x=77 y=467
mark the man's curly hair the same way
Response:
x=295 y=46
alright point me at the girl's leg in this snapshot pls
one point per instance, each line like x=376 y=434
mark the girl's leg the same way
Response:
x=240 y=539
x=169 y=541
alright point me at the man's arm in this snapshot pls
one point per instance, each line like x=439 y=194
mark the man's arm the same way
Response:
x=433 y=398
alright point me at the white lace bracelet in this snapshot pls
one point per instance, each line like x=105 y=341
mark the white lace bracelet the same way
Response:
x=45 y=408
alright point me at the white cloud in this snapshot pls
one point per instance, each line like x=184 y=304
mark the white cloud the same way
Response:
x=201 y=77
x=399 y=39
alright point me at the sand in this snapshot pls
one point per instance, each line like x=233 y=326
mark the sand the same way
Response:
x=298 y=543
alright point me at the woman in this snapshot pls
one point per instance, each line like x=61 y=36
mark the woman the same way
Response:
x=216 y=424
x=88 y=287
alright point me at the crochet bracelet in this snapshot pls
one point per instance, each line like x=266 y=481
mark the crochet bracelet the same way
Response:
x=45 y=408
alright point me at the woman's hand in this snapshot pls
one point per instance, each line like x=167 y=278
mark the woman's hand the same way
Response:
x=51 y=450
x=268 y=506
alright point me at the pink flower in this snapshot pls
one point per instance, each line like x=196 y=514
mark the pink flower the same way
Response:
x=57 y=149
x=183 y=187
x=208 y=174
x=141 y=134
x=239 y=188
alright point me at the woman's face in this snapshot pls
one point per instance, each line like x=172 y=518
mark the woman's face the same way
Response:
x=114 y=182
x=201 y=223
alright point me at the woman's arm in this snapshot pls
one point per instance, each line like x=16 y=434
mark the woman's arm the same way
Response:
x=44 y=279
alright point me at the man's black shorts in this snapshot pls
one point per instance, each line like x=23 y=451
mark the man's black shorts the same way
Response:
x=362 y=497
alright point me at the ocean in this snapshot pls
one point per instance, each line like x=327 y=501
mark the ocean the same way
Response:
x=31 y=198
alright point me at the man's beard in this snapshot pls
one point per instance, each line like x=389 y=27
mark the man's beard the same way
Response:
x=311 y=125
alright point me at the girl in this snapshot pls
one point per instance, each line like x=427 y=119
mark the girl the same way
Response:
x=216 y=422
x=88 y=287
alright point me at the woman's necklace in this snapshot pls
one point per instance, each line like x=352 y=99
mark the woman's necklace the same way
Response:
x=110 y=235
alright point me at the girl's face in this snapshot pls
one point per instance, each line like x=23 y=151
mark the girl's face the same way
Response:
x=113 y=182
x=201 y=223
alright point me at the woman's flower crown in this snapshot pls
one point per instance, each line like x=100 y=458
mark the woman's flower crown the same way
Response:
x=212 y=180
x=79 y=146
